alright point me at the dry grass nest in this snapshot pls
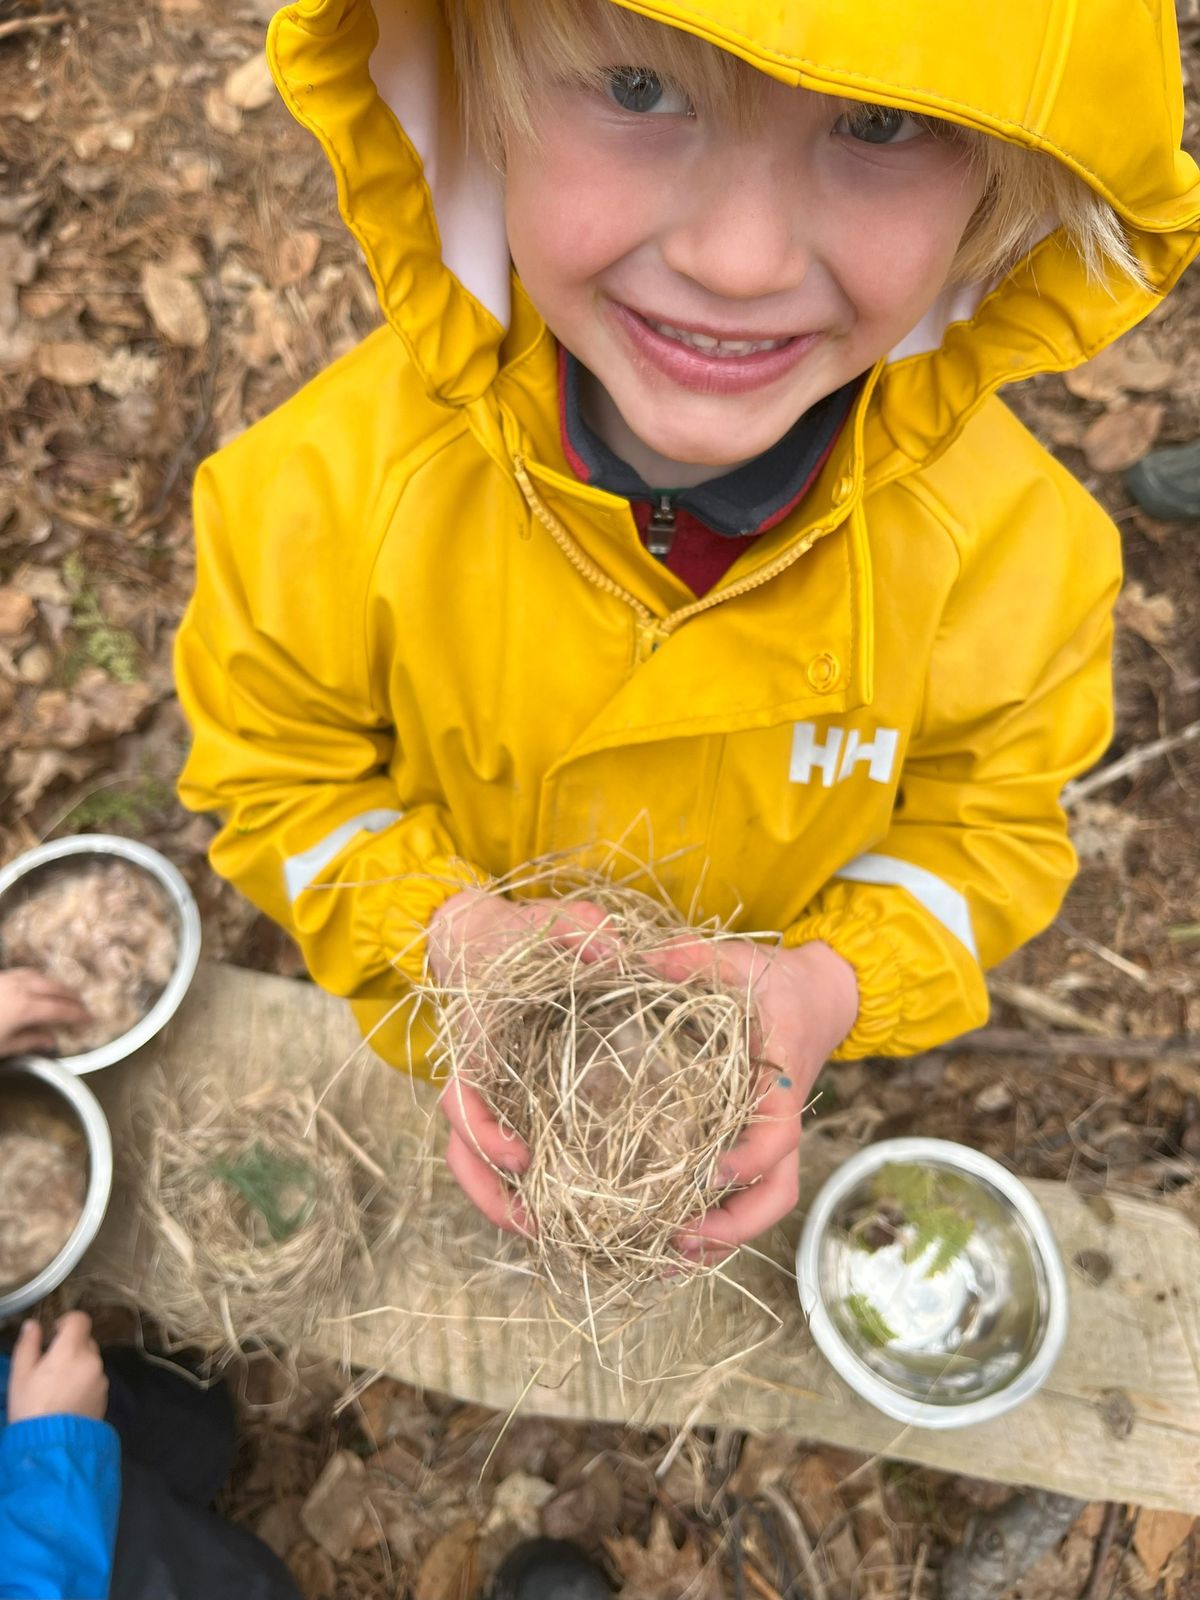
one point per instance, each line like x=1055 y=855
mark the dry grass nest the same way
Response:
x=625 y=1084
x=262 y=1213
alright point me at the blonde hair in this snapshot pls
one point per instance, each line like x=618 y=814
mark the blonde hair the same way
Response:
x=505 y=49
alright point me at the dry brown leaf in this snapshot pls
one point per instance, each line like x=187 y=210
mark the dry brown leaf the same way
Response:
x=1119 y=438
x=658 y=1571
x=295 y=258
x=97 y=707
x=1129 y=366
x=313 y=1571
x=18 y=268
x=279 y=1526
x=517 y=1501
x=35 y=665
x=218 y=112
x=392 y=1410
x=766 y=1458
x=588 y=1510
x=812 y=1487
x=249 y=87
x=336 y=1507
x=175 y=305
x=448 y=1572
x=17 y=611
x=1152 y=616
x=1157 y=1536
x=125 y=371
x=70 y=362
x=32 y=772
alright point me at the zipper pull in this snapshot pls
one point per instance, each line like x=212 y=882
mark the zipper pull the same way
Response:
x=660 y=531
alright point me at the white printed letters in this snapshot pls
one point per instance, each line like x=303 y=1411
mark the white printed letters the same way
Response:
x=837 y=755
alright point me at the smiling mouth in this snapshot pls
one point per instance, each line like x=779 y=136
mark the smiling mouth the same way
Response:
x=709 y=345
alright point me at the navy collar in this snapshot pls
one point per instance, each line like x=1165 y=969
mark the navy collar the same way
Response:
x=746 y=501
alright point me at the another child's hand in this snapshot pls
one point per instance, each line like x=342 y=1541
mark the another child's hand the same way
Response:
x=31 y=1007
x=805 y=1002
x=470 y=930
x=68 y=1378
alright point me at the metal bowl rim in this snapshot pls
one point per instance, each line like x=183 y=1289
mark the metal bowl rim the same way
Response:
x=187 y=957
x=855 y=1372
x=98 y=1135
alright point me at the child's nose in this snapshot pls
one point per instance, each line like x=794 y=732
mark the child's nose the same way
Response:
x=742 y=233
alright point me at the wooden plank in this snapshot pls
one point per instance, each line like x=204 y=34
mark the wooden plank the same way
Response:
x=1120 y=1418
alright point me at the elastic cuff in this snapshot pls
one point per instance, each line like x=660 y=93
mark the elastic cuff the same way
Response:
x=407 y=923
x=62 y=1431
x=872 y=954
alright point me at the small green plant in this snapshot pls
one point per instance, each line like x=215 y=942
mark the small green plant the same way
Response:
x=869 y=1320
x=100 y=643
x=916 y=1204
x=120 y=807
x=282 y=1192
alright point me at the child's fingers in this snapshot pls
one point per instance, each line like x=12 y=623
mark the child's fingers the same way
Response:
x=478 y=1129
x=743 y=1215
x=485 y=1190
x=72 y=1331
x=731 y=964
x=26 y=1352
x=577 y=925
x=771 y=1137
x=52 y=1009
x=28 y=1042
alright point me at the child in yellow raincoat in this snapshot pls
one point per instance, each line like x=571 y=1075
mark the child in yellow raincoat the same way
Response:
x=675 y=496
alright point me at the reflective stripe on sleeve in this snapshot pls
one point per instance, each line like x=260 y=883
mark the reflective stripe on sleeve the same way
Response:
x=939 y=899
x=299 y=872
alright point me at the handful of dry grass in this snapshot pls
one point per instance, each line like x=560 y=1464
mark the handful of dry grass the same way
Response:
x=626 y=1085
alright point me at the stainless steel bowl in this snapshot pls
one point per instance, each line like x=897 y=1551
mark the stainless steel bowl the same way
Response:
x=932 y=1283
x=26 y=1079
x=17 y=879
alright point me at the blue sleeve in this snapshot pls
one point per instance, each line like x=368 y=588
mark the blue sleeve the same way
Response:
x=60 y=1490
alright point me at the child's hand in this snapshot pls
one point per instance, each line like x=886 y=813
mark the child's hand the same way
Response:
x=467 y=932
x=68 y=1379
x=805 y=1001
x=31 y=1007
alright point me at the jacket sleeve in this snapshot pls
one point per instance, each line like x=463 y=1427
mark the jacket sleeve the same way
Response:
x=977 y=858
x=291 y=744
x=60 y=1491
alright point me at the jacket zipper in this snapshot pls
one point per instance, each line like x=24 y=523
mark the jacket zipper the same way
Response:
x=652 y=631
x=660 y=530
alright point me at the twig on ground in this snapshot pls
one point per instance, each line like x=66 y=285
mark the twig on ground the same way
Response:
x=1108 y=1529
x=1001 y=1545
x=916 y=1582
x=790 y=1517
x=1179 y=1047
x=1132 y=761
x=1033 y=1003
x=50 y=19
x=1121 y=963
x=757 y=1582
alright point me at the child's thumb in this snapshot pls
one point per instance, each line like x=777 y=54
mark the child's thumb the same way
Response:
x=26 y=1352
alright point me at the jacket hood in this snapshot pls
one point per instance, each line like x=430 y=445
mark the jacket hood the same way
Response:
x=1095 y=83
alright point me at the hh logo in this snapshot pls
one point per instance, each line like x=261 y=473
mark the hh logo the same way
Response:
x=837 y=755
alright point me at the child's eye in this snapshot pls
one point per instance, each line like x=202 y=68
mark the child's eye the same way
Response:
x=879 y=125
x=639 y=89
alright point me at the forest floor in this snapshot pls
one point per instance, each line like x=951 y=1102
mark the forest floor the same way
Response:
x=172 y=267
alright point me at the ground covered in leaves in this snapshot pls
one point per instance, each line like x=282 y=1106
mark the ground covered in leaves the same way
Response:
x=171 y=267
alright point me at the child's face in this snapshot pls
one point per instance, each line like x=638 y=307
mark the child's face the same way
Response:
x=827 y=232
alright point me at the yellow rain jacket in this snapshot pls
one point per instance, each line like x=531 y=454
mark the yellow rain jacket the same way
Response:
x=421 y=653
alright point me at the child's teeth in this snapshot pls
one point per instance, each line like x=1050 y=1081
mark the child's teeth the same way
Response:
x=717 y=347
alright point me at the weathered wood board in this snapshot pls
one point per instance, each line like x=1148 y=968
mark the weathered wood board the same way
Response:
x=1119 y=1419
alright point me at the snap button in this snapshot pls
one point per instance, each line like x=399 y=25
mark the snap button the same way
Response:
x=845 y=488
x=823 y=671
